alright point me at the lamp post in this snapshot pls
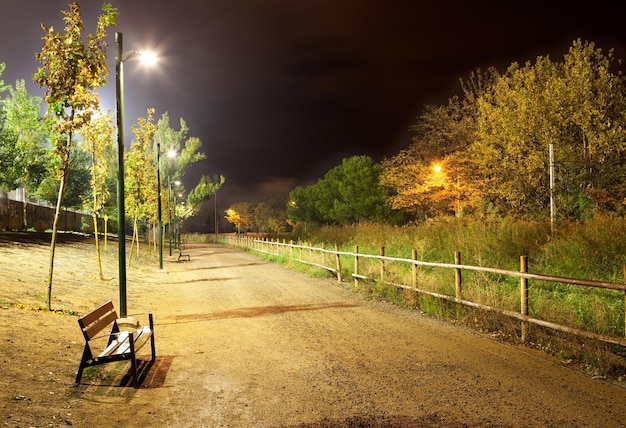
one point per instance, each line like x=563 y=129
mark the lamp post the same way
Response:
x=120 y=57
x=170 y=154
x=121 y=215
x=172 y=210
x=159 y=211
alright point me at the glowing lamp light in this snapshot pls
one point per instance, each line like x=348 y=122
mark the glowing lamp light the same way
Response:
x=147 y=57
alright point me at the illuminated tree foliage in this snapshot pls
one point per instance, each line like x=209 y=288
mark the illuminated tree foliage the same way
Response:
x=97 y=139
x=441 y=136
x=492 y=144
x=141 y=191
x=261 y=217
x=71 y=70
x=240 y=215
x=578 y=106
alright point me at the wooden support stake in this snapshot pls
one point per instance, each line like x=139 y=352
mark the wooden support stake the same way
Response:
x=356 y=266
x=524 y=296
x=382 y=265
x=458 y=279
x=338 y=263
x=414 y=268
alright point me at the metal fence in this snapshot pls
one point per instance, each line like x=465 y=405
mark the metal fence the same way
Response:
x=331 y=260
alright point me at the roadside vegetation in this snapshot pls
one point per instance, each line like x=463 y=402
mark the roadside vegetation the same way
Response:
x=67 y=158
x=526 y=162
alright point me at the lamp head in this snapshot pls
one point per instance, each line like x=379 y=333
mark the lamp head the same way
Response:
x=147 y=57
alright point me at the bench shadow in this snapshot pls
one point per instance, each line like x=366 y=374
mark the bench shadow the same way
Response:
x=151 y=374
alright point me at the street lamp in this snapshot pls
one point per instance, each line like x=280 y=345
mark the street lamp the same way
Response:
x=171 y=153
x=172 y=210
x=159 y=211
x=120 y=57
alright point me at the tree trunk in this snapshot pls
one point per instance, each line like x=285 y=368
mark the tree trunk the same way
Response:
x=53 y=241
x=95 y=233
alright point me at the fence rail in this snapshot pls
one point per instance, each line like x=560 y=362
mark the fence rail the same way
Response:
x=333 y=264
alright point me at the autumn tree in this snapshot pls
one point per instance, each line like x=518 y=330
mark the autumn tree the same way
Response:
x=141 y=191
x=97 y=136
x=240 y=215
x=441 y=137
x=271 y=216
x=71 y=70
x=577 y=107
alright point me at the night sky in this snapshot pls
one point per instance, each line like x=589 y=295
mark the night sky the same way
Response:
x=280 y=91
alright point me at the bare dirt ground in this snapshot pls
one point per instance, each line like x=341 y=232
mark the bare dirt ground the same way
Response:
x=245 y=343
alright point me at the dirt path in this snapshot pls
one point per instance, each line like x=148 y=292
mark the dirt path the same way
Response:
x=246 y=343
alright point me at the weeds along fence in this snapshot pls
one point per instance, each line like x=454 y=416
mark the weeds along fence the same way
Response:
x=413 y=274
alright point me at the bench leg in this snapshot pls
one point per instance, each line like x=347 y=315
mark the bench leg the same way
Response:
x=83 y=362
x=152 y=339
x=133 y=364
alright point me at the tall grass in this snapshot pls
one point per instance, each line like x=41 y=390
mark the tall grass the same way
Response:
x=594 y=249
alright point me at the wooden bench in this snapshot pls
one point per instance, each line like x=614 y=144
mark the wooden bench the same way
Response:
x=125 y=339
x=182 y=256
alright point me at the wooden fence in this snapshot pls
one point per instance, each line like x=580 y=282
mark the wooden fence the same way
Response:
x=330 y=260
x=17 y=215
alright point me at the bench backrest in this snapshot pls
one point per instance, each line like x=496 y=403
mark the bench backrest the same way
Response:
x=97 y=320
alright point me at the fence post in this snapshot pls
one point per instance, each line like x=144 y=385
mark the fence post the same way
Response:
x=458 y=279
x=382 y=265
x=323 y=254
x=356 y=266
x=338 y=263
x=414 y=268
x=625 y=302
x=291 y=248
x=524 y=296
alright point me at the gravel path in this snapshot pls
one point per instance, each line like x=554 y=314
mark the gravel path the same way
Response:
x=246 y=343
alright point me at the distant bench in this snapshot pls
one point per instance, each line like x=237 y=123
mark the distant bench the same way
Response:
x=125 y=339
x=182 y=256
